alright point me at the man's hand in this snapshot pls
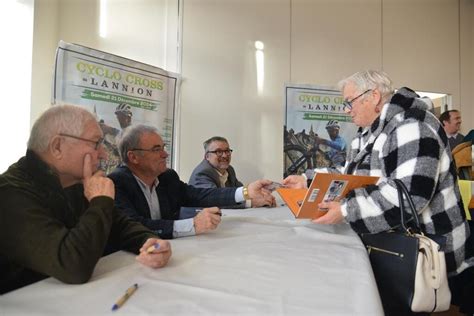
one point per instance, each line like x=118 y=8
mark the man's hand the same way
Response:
x=259 y=195
x=333 y=215
x=295 y=182
x=96 y=183
x=207 y=220
x=265 y=200
x=156 y=258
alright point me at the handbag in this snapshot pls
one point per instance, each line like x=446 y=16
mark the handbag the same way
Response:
x=409 y=266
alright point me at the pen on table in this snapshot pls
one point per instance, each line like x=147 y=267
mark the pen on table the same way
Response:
x=125 y=297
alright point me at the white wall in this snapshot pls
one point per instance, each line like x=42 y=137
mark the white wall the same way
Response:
x=467 y=63
x=424 y=44
x=219 y=91
x=135 y=29
x=310 y=41
x=421 y=45
x=16 y=35
x=332 y=39
x=45 y=41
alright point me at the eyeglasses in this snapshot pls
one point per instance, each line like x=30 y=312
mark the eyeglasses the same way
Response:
x=97 y=143
x=220 y=153
x=156 y=149
x=348 y=104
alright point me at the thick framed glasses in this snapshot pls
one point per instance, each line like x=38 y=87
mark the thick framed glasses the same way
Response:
x=348 y=104
x=220 y=153
x=96 y=143
x=156 y=149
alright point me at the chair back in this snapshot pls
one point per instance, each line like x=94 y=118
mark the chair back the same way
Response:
x=463 y=160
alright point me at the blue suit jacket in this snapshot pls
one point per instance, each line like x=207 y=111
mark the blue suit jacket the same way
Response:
x=172 y=195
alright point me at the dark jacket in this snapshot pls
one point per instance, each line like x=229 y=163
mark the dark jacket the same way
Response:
x=206 y=176
x=172 y=195
x=46 y=230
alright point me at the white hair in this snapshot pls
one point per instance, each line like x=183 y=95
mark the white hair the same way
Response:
x=369 y=80
x=66 y=119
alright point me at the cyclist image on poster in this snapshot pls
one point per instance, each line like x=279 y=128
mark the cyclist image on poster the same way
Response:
x=302 y=152
x=317 y=131
x=305 y=151
x=337 y=145
x=123 y=112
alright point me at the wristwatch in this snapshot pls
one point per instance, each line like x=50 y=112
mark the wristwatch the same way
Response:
x=245 y=191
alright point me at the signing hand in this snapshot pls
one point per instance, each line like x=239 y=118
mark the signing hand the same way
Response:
x=333 y=215
x=95 y=183
x=295 y=182
x=264 y=200
x=158 y=257
x=207 y=220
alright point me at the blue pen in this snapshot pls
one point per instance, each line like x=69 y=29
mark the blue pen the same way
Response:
x=125 y=297
x=218 y=213
x=153 y=248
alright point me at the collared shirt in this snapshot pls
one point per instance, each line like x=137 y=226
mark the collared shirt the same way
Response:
x=454 y=139
x=239 y=195
x=182 y=227
x=151 y=197
x=222 y=177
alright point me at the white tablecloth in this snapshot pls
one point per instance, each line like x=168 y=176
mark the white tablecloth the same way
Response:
x=258 y=262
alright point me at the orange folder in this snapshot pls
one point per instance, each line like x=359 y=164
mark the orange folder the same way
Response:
x=325 y=186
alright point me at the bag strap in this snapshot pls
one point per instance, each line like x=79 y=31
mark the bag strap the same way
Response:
x=403 y=191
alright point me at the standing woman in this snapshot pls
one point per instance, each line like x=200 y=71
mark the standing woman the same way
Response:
x=399 y=138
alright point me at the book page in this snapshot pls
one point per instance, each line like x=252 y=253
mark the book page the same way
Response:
x=330 y=187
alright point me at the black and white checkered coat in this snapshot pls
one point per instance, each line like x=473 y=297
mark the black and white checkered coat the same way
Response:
x=407 y=142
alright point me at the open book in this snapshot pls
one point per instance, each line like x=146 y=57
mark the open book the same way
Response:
x=324 y=187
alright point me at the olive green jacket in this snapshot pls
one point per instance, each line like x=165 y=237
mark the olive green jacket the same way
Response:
x=46 y=230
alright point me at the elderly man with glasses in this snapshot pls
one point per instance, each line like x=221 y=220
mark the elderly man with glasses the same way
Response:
x=57 y=214
x=215 y=171
x=152 y=194
x=399 y=138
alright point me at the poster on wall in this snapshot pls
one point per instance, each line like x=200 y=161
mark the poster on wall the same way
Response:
x=317 y=131
x=119 y=91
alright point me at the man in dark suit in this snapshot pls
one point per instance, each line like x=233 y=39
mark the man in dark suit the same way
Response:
x=451 y=121
x=152 y=194
x=215 y=171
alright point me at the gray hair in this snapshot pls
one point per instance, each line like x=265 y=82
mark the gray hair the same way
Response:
x=130 y=138
x=66 y=119
x=213 y=139
x=368 y=80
